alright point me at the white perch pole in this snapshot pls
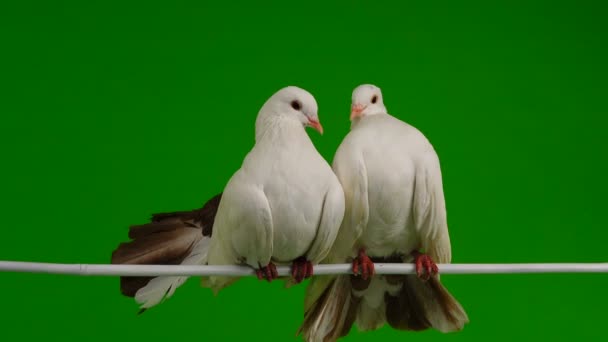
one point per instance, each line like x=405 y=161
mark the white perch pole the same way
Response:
x=177 y=270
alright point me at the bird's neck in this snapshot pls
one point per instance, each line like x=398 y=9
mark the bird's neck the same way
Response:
x=370 y=117
x=278 y=128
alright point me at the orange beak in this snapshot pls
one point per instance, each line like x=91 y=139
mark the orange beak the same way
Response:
x=356 y=110
x=316 y=125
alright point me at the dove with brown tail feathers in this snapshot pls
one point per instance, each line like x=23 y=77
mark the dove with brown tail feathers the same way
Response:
x=395 y=209
x=168 y=239
x=283 y=206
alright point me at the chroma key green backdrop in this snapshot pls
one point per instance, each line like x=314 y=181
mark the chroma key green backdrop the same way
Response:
x=113 y=111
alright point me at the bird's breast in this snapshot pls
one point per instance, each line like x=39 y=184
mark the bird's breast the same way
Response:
x=296 y=202
x=296 y=217
x=390 y=227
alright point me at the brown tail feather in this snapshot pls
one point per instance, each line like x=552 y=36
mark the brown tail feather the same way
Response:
x=166 y=240
x=311 y=315
x=203 y=217
x=157 y=247
x=149 y=229
x=421 y=305
x=333 y=314
x=159 y=217
x=406 y=311
x=351 y=316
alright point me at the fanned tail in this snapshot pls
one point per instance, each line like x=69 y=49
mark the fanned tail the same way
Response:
x=169 y=239
x=160 y=288
x=405 y=302
x=167 y=247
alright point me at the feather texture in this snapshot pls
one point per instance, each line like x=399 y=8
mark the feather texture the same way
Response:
x=395 y=206
x=160 y=288
x=169 y=239
x=284 y=203
x=332 y=312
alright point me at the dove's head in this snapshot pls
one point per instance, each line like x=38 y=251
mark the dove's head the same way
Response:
x=293 y=103
x=367 y=101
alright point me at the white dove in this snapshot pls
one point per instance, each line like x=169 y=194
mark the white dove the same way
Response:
x=395 y=210
x=283 y=206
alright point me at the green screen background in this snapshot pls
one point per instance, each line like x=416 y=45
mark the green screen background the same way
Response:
x=111 y=112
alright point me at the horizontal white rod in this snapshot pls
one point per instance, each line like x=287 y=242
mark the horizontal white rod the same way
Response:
x=183 y=270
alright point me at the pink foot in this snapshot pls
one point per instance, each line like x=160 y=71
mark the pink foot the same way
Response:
x=301 y=269
x=364 y=264
x=425 y=266
x=267 y=272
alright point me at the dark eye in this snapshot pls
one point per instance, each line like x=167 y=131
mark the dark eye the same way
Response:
x=374 y=99
x=295 y=104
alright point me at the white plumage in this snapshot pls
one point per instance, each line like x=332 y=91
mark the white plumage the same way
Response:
x=284 y=203
x=395 y=205
x=391 y=174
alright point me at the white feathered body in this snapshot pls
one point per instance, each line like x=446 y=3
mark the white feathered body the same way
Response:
x=283 y=203
x=392 y=182
x=395 y=205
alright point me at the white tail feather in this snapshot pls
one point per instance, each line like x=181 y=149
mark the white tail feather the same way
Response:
x=369 y=317
x=371 y=314
x=161 y=288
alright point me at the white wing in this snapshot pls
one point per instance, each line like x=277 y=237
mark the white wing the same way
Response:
x=332 y=214
x=242 y=231
x=429 y=208
x=352 y=174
